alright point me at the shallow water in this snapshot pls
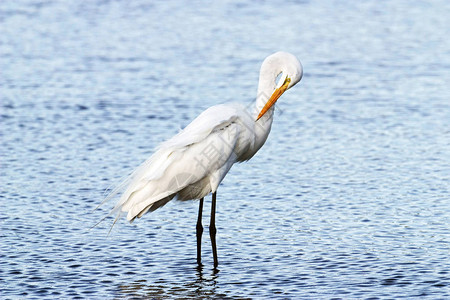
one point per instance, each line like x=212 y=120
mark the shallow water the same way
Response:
x=349 y=198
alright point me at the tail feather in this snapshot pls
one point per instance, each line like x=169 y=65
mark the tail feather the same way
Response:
x=115 y=189
x=155 y=205
x=139 y=208
x=159 y=203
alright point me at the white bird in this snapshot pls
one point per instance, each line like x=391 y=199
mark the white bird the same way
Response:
x=192 y=164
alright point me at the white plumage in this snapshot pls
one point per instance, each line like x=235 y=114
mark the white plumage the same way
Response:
x=192 y=164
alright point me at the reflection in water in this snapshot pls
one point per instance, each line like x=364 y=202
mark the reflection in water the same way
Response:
x=202 y=287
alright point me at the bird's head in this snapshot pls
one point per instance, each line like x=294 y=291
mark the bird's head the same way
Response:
x=279 y=72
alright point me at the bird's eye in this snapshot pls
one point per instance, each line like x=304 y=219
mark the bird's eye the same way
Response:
x=277 y=79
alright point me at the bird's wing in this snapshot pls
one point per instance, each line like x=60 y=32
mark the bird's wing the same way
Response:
x=204 y=149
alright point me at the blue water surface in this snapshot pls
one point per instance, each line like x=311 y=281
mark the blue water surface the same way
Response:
x=349 y=198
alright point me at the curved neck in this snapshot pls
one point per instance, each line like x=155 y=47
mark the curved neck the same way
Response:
x=264 y=124
x=266 y=87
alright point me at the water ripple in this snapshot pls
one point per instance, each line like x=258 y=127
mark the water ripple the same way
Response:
x=348 y=199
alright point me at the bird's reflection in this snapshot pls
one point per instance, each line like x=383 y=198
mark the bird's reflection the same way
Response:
x=202 y=287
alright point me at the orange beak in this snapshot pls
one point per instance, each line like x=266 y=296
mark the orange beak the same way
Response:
x=276 y=94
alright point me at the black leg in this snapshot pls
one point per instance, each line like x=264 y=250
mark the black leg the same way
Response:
x=212 y=230
x=199 y=233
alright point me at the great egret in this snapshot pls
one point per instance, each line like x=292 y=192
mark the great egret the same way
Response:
x=192 y=164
